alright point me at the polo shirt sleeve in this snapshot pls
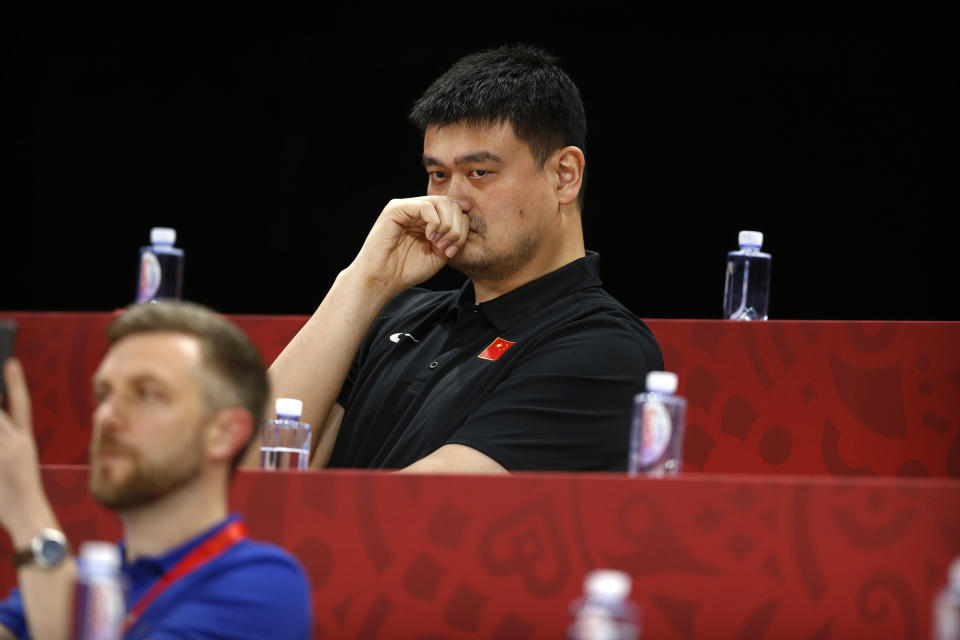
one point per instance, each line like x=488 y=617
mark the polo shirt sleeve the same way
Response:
x=11 y=614
x=409 y=307
x=395 y=307
x=568 y=401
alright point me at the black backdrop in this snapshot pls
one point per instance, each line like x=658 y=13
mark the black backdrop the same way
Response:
x=271 y=147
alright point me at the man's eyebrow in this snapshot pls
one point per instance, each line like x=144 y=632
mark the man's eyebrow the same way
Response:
x=138 y=378
x=141 y=378
x=476 y=156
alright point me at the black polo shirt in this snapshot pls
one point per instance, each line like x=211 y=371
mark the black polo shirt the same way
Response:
x=540 y=378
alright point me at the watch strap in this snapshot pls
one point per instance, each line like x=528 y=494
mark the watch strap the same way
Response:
x=23 y=557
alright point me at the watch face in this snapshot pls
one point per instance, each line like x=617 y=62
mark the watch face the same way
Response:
x=51 y=552
x=49 y=548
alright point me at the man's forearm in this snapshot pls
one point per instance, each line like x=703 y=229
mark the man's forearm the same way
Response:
x=315 y=363
x=410 y=241
x=46 y=593
x=47 y=596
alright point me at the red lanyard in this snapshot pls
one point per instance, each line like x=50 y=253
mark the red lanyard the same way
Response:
x=230 y=535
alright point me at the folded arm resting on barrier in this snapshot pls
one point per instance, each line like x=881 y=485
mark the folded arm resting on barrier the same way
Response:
x=411 y=241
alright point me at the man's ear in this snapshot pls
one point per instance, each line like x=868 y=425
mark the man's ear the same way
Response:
x=227 y=433
x=569 y=165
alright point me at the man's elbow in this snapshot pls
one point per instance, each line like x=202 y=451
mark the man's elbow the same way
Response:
x=456 y=458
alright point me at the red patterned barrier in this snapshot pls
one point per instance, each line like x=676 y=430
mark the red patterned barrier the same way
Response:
x=394 y=556
x=839 y=398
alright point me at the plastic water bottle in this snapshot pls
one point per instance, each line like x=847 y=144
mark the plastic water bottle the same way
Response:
x=746 y=293
x=946 y=607
x=100 y=599
x=656 y=433
x=285 y=441
x=161 y=267
x=605 y=611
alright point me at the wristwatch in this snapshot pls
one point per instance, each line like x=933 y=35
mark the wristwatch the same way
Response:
x=47 y=549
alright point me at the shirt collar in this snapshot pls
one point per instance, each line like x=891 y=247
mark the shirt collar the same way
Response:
x=512 y=307
x=168 y=560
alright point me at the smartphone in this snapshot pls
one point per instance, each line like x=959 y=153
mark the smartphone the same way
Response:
x=8 y=331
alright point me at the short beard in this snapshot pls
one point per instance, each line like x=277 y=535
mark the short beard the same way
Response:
x=479 y=263
x=147 y=483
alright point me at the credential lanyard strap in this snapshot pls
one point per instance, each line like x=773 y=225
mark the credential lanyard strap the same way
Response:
x=213 y=547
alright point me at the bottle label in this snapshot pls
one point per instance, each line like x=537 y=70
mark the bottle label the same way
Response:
x=655 y=430
x=149 y=277
x=102 y=609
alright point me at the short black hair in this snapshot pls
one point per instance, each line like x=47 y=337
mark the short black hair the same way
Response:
x=519 y=84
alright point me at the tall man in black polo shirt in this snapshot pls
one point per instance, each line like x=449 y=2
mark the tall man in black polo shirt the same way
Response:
x=531 y=365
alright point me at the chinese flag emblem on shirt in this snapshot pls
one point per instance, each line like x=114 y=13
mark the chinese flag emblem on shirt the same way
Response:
x=496 y=349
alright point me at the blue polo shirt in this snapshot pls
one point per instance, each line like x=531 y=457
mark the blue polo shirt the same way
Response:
x=252 y=590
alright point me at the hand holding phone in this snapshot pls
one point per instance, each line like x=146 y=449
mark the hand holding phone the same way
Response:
x=8 y=331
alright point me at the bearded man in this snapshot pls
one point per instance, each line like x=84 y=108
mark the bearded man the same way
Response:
x=179 y=395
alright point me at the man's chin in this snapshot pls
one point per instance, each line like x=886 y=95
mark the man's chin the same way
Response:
x=113 y=483
x=123 y=484
x=110 y=492
x=109 y=470
x=469 y=260
x=124 y=497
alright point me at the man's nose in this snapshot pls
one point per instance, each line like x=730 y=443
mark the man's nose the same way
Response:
x=106 y=414
x=460 y=190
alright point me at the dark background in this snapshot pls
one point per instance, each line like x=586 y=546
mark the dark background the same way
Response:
x=272 y=144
